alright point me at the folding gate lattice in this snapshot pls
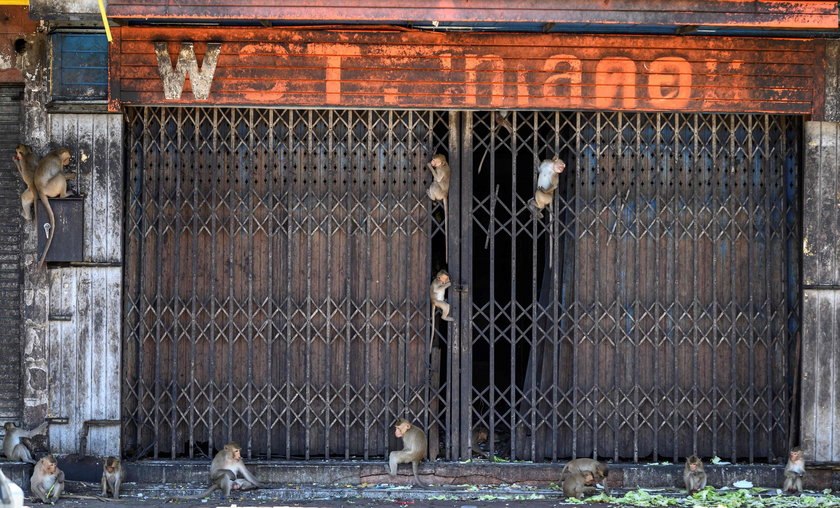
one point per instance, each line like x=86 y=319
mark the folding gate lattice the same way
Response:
x=278 y=262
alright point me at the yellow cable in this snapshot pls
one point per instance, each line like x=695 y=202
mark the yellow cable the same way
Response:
x=105 y=20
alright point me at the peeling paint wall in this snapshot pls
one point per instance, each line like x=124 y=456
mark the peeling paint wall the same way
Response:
x=832 y=81
x=14 y=25
x=33 y=65
x=84 y=302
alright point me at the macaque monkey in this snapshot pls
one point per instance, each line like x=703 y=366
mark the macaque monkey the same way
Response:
x=47 y=481
x=26 y=162
x=480 y=435
x=13 y=446
x=437 y=291
x=547 y=181
x=414 y=449
x=439 y=190
x=598 y=470
x=575 y=484
x=11 y=496
x=226 y=466
x=112 y=477
x=794 y=471
x=694 y=475
x=50 y=182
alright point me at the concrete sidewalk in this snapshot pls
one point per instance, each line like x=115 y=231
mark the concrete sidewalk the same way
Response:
x=365 y=484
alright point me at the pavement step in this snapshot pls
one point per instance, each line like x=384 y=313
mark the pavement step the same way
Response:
x=307 y=480
x=319 y=492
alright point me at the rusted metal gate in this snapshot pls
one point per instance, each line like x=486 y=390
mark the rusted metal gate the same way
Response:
x=650 y=314
x=278 y=262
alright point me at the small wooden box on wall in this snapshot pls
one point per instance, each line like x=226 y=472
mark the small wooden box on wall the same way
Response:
x=68 y=243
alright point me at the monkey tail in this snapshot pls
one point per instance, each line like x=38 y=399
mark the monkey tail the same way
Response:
x=434 y=331
x=91 y=497
x=46 y=202
x=210 y=490
x=35 y=210
x=564 y=472
x=481 y=162
x=446 y=226
x=417 y=477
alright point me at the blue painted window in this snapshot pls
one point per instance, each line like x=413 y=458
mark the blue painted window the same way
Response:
x=79 y=66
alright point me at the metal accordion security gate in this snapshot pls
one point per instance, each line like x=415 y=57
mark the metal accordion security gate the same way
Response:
x=278 y=265
x=268 y=296
x=652 y=312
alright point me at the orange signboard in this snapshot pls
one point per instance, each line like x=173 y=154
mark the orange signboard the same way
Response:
x=800 y=14
x=412 y=69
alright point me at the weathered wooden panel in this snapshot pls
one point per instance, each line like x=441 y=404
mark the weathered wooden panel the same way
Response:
x=10 y=256
x=768 y=13
x=85 y=302
x=95 y=140
x=820 y=428
x=456 y=70
x=821 y=221
x=84 y=361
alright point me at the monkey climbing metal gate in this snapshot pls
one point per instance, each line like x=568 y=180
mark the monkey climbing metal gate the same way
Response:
x=269 y=298
x=652 y=312
x=278 y=266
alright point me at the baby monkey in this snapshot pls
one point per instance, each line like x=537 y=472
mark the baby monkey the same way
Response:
x=694 y=475
x=547 y=181
x=414 y=449
x=112 y=477
x=575 y=484
x=598 y=470
x=437 y=292
x=794 y=471
x=439 y=189
x=480 y=435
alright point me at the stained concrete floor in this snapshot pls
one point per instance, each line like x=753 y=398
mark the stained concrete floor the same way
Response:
x=330 y=503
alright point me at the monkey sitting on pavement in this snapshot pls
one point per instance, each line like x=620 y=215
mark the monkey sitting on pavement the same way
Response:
x=414 y=449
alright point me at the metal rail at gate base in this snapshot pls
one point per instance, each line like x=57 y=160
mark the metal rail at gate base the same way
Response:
x=278 y=264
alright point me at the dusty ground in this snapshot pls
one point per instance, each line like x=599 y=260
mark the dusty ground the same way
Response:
x=332 y=503
x=383 y=495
